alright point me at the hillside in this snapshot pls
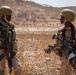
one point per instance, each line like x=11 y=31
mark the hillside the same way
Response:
x=29 y=13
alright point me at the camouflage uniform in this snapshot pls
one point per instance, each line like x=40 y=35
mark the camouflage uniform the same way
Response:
x=61 y=52
x=15 y=61
x=66 y=33
x=69 y=35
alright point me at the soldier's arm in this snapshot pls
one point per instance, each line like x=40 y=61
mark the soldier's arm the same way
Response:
x=15 y=47
x=15 y=41
x=57 y=46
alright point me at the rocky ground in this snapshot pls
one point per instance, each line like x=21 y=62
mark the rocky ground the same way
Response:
x=33 y=58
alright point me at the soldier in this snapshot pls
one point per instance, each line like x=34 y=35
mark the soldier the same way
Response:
x=66 y=33
x=5 y=18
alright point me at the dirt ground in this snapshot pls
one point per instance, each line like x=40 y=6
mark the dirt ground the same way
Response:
x=34 y=60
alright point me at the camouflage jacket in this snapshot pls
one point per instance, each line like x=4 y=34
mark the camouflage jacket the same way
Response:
x=12 y=39
x=57 y=49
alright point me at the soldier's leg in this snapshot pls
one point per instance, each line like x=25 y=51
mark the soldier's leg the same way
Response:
x=72 y=60
x=2 y=67
x=17 y=66
x=2 y=64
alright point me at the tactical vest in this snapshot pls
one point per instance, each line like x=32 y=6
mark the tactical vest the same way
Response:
x=72 y=33
x=7 y=30
x=62 y=33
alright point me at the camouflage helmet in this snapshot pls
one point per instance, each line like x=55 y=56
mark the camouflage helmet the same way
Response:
x=5 y=10
x=69 y=14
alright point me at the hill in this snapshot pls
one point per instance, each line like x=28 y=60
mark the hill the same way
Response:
x=29 y=13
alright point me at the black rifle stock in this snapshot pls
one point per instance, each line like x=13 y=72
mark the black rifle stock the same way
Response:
x=66 y=45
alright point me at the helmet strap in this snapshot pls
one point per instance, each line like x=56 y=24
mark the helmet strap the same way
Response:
x=65 y=20
x=5 y=19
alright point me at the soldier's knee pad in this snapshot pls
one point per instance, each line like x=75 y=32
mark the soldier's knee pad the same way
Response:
x=73 y=62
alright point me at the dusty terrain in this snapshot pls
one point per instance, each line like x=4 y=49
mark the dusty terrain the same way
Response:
x=33 y=57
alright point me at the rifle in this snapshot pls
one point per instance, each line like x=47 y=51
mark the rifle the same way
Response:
x=65 y=44
x=8 y=47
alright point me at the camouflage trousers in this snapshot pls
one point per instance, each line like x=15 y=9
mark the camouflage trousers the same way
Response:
x=16 y=65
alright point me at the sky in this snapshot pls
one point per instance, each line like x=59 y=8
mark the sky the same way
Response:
x=57 y=3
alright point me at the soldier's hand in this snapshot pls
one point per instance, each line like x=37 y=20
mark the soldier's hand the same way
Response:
x=13 y=53
x=49 y=49
x=58 y=51
x=73 y=44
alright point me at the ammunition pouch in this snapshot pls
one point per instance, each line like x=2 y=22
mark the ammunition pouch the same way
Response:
x=10 y=34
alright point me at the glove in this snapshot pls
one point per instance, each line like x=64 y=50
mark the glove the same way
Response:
x=58 y=51
x=48 y=50
x=13 y=53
